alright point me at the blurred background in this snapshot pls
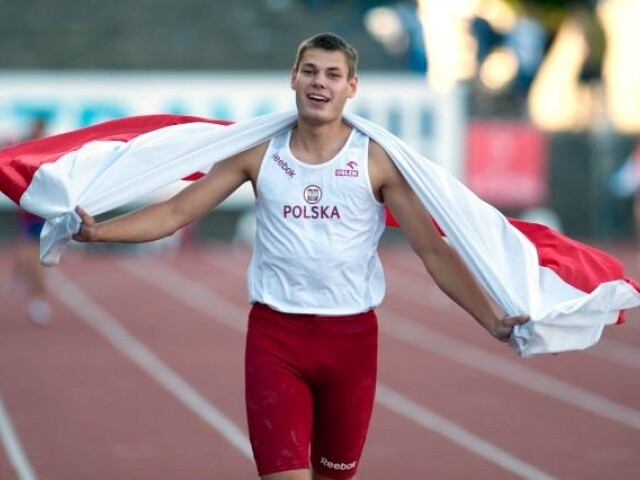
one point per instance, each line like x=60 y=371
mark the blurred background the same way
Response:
x=535 y=105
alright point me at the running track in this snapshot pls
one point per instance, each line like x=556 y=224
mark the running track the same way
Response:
x=140 y=377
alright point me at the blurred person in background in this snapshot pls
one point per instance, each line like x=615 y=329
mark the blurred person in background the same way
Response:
x=28 y=280
x=315 y=278
x=567 y=93
x=527 y=39
x=625 y=183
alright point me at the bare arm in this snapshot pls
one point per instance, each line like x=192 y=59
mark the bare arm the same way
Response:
x=439 y=258
x=165 y=218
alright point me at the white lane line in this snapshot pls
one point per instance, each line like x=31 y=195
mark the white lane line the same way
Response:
x=197 y=296
x=426 y=418
x=219 y=309
x=617 y=352
x=12 y=446
x=89 y=311
x=430 y=340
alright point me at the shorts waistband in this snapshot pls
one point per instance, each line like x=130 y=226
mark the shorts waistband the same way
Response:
x=310 y=316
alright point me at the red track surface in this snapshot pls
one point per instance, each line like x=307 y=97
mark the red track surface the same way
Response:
x=140 y=377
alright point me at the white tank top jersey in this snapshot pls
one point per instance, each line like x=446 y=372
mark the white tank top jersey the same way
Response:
x=318 y=228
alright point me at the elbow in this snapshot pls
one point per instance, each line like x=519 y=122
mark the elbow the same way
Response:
x=173 y=220
x=170 y=229
x=431 y=251
x=437 y=256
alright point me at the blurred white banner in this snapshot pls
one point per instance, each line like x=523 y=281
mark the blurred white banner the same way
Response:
x=431 y=123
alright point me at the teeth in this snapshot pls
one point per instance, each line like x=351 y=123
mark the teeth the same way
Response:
x=317 y=97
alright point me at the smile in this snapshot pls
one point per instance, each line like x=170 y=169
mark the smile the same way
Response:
x=317 y=98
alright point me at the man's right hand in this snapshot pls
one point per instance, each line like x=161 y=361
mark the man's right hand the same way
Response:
x=88 y=229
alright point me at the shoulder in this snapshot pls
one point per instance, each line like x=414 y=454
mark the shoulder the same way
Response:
x=377 y=154
x=256 y=152
x=382 y=171
x=379 y=161
x=251 y=157
x=246 y=163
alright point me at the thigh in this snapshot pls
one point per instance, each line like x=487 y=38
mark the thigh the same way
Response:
x=279 y=402
x=344 y=401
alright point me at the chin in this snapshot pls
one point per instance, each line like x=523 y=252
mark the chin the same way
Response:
x=317 y=116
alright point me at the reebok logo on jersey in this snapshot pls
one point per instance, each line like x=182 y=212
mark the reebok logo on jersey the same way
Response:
x=284 y=166
x=352 y=171
x=337 y=466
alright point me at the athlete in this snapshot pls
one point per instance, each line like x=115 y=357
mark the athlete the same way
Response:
x=314 y=279
x=28 y=275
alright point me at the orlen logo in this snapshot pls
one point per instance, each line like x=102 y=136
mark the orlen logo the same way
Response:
x=338 y=466
x=352 y=171
x=284 y=166
x=312 y=194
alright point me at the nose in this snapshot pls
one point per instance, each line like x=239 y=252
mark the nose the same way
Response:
x=318 y=80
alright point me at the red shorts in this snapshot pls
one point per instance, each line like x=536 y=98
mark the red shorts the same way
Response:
x=310 y=382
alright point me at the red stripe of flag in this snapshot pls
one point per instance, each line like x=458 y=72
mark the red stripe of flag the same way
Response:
x=19 y=162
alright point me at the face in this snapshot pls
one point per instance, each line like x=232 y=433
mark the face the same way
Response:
x=322 y=85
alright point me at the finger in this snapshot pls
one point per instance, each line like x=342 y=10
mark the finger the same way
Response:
x=84 y=216
x=523 y=319
x=80 y=211
x=515 y=320
x=503 y=334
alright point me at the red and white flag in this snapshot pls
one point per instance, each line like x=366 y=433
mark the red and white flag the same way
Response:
x=570 y=290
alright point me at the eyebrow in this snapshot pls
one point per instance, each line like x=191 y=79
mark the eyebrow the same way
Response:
x=313 y=65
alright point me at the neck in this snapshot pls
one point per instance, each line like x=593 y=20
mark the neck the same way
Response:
x=318 y=143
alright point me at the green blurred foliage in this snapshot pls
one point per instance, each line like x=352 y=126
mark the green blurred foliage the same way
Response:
x=550 y=12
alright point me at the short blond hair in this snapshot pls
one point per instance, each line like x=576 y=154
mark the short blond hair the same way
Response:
x=331 y=43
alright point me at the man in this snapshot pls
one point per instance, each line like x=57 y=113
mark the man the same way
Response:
x=28 y=275
x=625 y=183
x=315 y=277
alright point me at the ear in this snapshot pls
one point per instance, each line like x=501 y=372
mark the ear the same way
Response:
x=294 y=74
x=353 y=86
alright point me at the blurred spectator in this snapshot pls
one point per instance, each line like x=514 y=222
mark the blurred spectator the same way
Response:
x=486 y=36
x=566 y=95
x=621 y=63
x=625 y=182
x=397 y=27
x=28 y=276
x=510 y=46
x=416 y=51
x=527 y=40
